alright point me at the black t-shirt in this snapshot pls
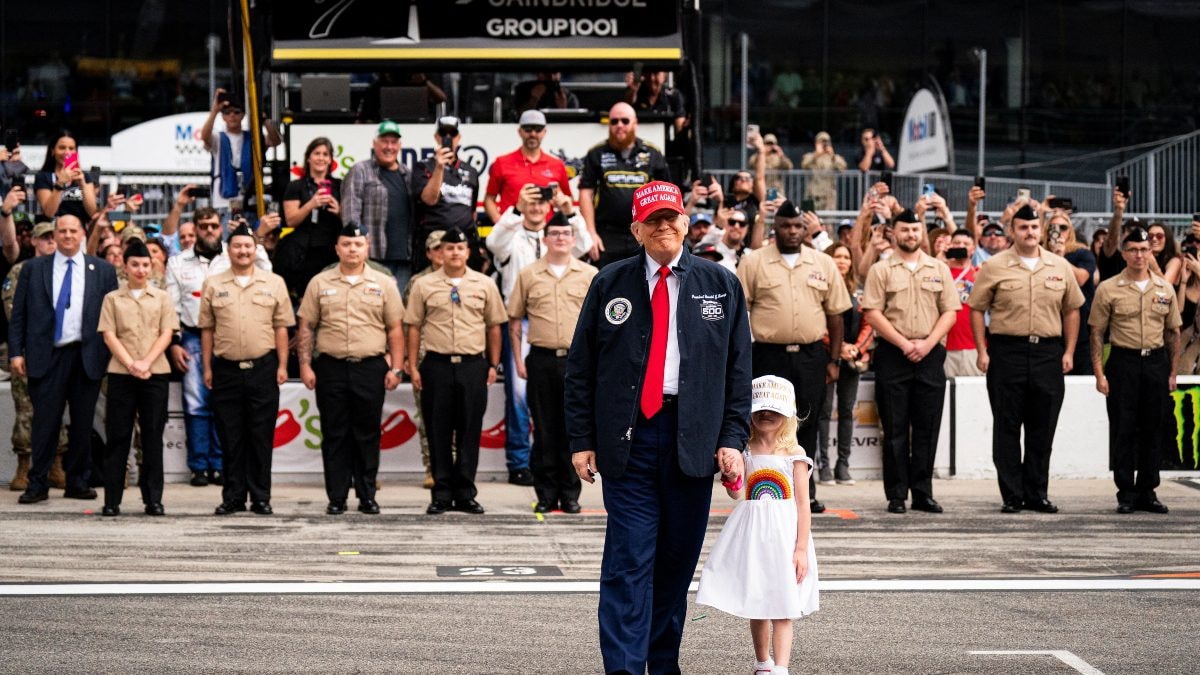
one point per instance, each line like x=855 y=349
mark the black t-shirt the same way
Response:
x=456 y=204
x=398 y=213
x=72 y=199
x=1110 y=266
x=615 y=176
x=323 y=231
x=876 y=160
x=670 y=102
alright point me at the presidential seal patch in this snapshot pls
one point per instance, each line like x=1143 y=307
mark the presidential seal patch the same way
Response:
x=618 y=310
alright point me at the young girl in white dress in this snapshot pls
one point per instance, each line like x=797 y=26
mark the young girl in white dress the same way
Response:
x=763 y=566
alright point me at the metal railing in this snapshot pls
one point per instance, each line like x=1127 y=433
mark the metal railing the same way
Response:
x=1165 y=179
x=158 y=191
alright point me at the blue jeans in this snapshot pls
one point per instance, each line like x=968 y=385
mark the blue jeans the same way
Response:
x=516 y=407
x=203 y=448
x=401 y=269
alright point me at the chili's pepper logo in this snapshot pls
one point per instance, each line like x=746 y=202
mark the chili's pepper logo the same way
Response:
x=1178 y=397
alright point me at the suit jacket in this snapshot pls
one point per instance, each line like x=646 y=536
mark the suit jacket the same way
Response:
x=607 y=364
x=31 y=329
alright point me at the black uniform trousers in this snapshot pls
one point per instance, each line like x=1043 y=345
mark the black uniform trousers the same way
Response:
x=245 y=404
x=65 y=385
x=554 y=476
x=1025 y=388
x=910 y=398
x=453 y=400
x=350 y=399
x=804 y=367
x=1137 y=404
x=147 y=399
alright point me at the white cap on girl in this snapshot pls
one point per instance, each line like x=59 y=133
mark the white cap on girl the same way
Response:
x=773 y=393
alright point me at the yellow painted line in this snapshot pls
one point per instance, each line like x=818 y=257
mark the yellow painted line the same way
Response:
x=347 y=552
x=578 y=53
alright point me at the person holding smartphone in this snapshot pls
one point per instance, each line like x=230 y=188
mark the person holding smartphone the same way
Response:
x=824 y=163
x=311 y=205
x=447 y=190
x=62 y=187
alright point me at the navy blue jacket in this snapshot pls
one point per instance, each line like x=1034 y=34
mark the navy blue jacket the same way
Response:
x=607 y=363
x=31 y=329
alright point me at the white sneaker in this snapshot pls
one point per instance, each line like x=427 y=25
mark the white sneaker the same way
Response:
x=764 y=667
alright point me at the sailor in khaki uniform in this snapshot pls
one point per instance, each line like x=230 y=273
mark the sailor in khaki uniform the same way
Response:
x=356 y=312
x=1140 y=312
x=911 y=301
x=455 y=314
x=1034 y=302
x=244 y=316
x=137 y=323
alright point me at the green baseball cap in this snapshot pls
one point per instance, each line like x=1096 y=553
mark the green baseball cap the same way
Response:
x=388 y=127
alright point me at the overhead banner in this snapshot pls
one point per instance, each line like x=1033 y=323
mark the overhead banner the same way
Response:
x=474 y=32
x=925 y=140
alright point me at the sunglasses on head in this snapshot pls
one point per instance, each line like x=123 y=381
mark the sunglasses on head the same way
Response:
x=617 y=121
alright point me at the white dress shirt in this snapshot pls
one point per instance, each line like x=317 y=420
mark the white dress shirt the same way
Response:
x=515 y=247
x=72 y=328
x=186 y=273
x=671 y=371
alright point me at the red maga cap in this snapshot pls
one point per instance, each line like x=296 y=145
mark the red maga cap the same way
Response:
x=656 y=196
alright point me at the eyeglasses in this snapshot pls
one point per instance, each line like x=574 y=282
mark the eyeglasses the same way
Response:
x=1158 y=236
x=560 y=234
x=617 y=121
x=454 y=296
x=1138 y=251
x=533 y=129
x=737 y=223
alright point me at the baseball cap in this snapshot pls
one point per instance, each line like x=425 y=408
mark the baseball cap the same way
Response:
x=824 y=136
x=656 y=196
x=707 y=250
x=700 y=218
x=387 y=127
x=532 y=118
x=773 y=393
x=770 y=139
x=42 y=229
x=990 y=228
x=434 y=239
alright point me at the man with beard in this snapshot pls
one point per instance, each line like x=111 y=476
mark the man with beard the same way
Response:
x=730 y=241
x=911 y=302
x=796 y=295
x=1034 y=303
x=527 y=164
x=612 y=171
x=186 y=274
x=245 y=313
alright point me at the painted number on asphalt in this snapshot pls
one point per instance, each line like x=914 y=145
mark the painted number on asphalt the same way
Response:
x=500 y=571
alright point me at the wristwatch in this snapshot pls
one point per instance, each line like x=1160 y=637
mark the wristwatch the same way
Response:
x=493 y=366
x=397 y=371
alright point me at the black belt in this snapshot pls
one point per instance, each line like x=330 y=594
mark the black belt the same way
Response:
x=1024 y=339
x=191 y=330
x=352 y=359
x=670 y=400
x=245 y=364
x=1138 y=352
x=452 y=358
x=560 y=353
x=776 y=347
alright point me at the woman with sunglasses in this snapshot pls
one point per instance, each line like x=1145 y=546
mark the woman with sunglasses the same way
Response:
x=1166 y=252
x=1060 y=240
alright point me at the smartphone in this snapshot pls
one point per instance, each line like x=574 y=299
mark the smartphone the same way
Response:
x=547 y=193
x=1196 y=217
x=980 y=182
x=71 y=161
x=957 y=253
x=325 y=186
x=808 y=205
x=224 y=97
x=202 y=191
x=447 y=141
x=710 y=181
x=1064 y=203
x=886 y=179
x=11 y=140
x=1023 y=194
x=751 y=131
x=928 y=191
x=1123 y=185
x=772 y=194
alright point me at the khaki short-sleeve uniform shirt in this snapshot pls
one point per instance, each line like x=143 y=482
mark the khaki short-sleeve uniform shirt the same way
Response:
x=1025 y=302
x=455 y=327
x=351 y=318
x=911 y=299
x=551 y=303
x=244 y=319
x=788 y=304
x=137 y=323
x=1135 y=319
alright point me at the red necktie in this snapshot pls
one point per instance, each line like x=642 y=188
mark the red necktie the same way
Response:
x=652 y=386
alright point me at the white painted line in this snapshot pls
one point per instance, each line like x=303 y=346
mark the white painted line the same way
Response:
x=1061 y=654
x=497 y=586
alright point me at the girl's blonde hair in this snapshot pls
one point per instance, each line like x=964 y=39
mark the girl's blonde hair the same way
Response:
x=785 y=442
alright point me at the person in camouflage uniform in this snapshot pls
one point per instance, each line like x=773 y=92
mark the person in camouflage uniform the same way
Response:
x=433 y=251
x=43 y=242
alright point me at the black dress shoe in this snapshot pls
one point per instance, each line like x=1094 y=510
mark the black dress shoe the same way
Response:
x=543 y=507
x=110 y=510
x=215 y=477
x=368 y=506
x=1125 y=508
x=335 y=508
x=32 y=498
x=87 y=493
x=198 y=479
x=927 y=505
x=520 y=477
x=1153 y=506
x=468 y=506
x=227 y=508
x=1011 y=507
x=262 y=508
x=155 y=510
x=1041 y=506
x=437 y=507
x=896 y=506
x=815 y=506
x=570 y=506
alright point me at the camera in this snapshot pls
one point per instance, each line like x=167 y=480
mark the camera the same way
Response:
x=200 y=191
x=447 y=129
x=957 y=253
x=1064 y=203
x=547 y=193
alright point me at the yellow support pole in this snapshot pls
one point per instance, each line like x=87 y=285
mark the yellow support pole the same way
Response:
x=252 y=94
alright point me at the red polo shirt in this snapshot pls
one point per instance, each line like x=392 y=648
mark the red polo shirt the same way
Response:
x=510 y=172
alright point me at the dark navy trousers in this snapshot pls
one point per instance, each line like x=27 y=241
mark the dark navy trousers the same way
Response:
x=656 y=522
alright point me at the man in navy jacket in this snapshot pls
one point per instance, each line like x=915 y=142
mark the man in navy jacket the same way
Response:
x=658 y=378
x=52 y=339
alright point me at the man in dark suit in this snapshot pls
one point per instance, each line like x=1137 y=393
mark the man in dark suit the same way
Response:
x=660 y=332
x=53 y=341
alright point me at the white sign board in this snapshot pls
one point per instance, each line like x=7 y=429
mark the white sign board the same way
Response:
x=169 y=144
x=924 y=139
